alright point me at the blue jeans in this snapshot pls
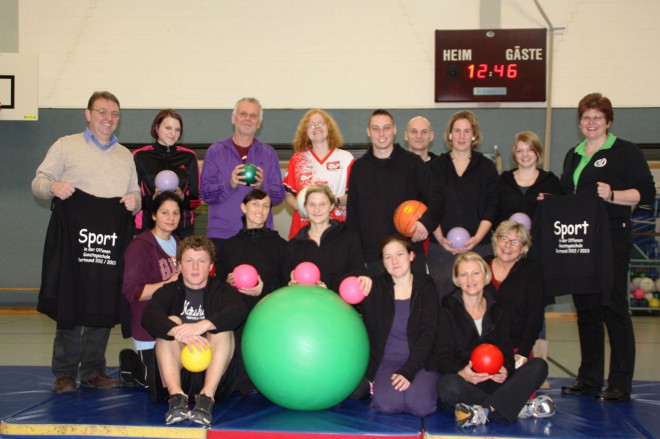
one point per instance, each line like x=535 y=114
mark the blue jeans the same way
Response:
x=82 y=347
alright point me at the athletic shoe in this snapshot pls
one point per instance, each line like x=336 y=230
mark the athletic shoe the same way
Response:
x=469 y=415
x=203 y=411
x=178 y=411
x=540 y=407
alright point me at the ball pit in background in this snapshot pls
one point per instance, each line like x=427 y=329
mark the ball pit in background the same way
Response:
x=304 y=348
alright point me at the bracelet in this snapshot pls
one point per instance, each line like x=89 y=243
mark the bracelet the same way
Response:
x=612 y=197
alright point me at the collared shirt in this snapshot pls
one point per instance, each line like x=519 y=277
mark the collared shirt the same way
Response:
x=89 y=136
x=585 y=159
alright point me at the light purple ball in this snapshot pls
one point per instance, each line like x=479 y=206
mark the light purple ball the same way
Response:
x=458 y=236
x=522 y=218
x=167 y=181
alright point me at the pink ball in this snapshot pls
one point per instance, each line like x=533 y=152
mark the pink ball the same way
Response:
x=458 y=236
x=638 y=293
x=350 y=290
x=166 y=180
x=306 y=273
x=245 y=276
x=522 y=218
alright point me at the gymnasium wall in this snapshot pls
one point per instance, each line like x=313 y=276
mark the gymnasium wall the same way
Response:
x=346 y=56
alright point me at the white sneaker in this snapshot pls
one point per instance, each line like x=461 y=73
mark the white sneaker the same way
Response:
x=540 y=407
x=469 y=415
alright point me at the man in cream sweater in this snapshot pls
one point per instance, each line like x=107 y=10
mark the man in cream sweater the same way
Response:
x=86 y=169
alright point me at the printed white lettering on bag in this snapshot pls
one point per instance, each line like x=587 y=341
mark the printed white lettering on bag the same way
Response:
x=96 y=238
x=570 y=229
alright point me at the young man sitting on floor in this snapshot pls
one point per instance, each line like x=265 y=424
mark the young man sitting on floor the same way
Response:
x=196 y=312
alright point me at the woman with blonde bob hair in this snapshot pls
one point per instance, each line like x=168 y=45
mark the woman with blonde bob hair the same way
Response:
x=317 y=159
x=517 y=284
x=469 y=317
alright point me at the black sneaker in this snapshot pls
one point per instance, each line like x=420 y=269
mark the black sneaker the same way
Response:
x=203 y=411
x=131 y=369
x=178 y=409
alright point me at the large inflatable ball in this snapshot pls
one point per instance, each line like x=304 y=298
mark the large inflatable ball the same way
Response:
x=305 y=348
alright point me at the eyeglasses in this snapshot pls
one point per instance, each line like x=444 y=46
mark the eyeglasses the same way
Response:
x=103 y=113
x=597 y=118
x=514 y=242
x=319 y=124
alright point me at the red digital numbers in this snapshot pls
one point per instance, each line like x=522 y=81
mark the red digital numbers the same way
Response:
x=512 y=71
x=483 y=71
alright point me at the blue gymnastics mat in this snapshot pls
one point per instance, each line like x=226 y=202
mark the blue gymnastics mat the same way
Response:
x=576 y=417
x=29 y=408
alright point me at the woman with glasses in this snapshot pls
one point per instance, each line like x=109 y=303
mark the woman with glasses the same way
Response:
x=317 y=159
x=619 y=174
x=520 y=187
x=164 y=153
x=517 y=283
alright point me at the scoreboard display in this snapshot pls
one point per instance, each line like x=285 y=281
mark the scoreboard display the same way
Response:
x=504 y=65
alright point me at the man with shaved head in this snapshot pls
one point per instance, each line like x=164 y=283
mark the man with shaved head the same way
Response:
x=419 y=135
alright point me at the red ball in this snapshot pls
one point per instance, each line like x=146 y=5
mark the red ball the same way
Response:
x=406 y=215
x=306 y=273
x=487 y=358
x=350 y=290
x=638 y=293
x=245 y=276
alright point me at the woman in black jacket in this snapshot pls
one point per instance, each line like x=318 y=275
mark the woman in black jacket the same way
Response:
x=401 y=314
x=469 y=185
x=468 y=318
x=520 y=187
x=517 y=284
x=616 y=170
x=261 y=248
x=327 y=243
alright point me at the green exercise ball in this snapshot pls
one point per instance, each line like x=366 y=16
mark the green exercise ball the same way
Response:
x=304 y=348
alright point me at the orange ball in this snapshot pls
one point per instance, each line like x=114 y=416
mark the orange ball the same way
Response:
x=407 y=214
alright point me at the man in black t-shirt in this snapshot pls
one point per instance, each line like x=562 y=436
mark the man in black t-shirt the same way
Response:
x=196 y=312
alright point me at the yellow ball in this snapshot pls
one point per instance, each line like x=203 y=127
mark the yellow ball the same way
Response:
x=654 y=303
x=195 y=361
